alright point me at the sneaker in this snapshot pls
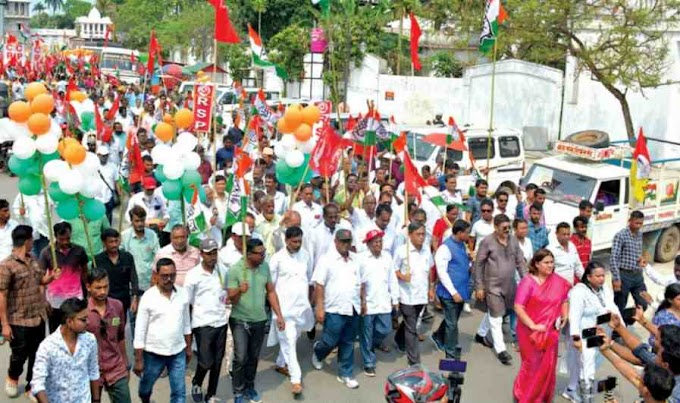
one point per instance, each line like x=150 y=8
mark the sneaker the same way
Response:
x=369 y=372
x=29 y=396
x=505 y=358
x=11 y=387
x=349 y=382
x=571 y=395
x=316 y=363
x=197 y=393
x=466 y=308
x=239 y=399
x=253 y=396
x=483 y=341
x=437 y=344
x=296 y=388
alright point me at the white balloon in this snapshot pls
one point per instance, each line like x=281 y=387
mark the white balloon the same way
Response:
x=280 y=151
x=188 y=140
x=24 y=147
x=47 y=143
x=306 y=146
x=20 y=130
x=180 y=151
x=54 y=169
x=288 y=141
x=173 y=170
x=159 y=153
x=55 y=130
x=295 y=158
x=91 y=186
x=191 y=161
x=71 y=181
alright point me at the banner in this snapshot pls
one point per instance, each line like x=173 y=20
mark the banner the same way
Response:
x=13 y=53
x=203 y=100
x=325 y=108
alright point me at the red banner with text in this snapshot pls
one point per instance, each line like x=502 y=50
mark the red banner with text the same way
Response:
x=203 y=101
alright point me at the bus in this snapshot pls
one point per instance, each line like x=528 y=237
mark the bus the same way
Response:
x=117 y=61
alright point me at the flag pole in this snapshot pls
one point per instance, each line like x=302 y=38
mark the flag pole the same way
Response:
x=214 y=128
x=48 y=214
x=493 y=93
x=85 y=229
x=408 y=241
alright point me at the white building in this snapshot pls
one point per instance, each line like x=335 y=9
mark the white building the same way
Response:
x=17 y=12
x=55 y=38
x=93 y=27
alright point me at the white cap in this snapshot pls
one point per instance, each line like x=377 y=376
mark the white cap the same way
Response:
x=237 y=229
x=102 y=150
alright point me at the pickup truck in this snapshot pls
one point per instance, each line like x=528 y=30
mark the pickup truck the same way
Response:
x=602 y=176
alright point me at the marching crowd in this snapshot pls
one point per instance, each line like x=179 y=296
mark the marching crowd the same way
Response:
x=352 y=257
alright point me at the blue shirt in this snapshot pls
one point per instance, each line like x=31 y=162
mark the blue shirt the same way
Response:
x=143 y=250
x=474 y=205
x=66 y=377
x=626 y=250
x=538 y=235
x=223 y=154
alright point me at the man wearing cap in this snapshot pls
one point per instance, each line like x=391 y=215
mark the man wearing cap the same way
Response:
x=182 y=254
x=268 y=157
x=379 y=294
x=108 y=173
x=206 y=288
x=338 y=304
x=152 y=202
x=291 y=271
x=232 y=252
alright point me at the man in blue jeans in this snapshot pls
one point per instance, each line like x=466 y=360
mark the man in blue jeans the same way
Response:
x=453 y=270
x=379 y=295
x=163 y=334
x=249 y=284
x=338 y=304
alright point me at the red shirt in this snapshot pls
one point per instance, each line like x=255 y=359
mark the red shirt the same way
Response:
x=112 y=364
x=584 y=248
x=439 y=229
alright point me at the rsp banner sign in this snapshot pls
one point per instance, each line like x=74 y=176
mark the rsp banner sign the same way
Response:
x=203 y=107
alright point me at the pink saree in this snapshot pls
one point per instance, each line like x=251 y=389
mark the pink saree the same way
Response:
x=535 y=382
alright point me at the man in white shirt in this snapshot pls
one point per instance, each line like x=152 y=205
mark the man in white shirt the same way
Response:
x=291 y=271
x=310 y=212
x=6 y=226
x=30 y=210
x=484 y=226
x=151 y=201
x=379 y=295
x=320 y=238
x=280 y=199
x=232 y=252
x=413 y=271
x=567 y=262
x=266 y=223
x=364 y=216
x=502 y=199
x=108 y=172
x=338 y=304
x=383 y=217
x=451 y=194
x=163 y=334
x=205 y=285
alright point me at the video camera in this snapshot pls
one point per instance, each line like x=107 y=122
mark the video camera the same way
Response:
x=455 y=378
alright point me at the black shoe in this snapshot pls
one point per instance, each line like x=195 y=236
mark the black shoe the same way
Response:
x=369 y=372
x=505 y=358
x=196 y=394
x=483 y=341
x=311 y=335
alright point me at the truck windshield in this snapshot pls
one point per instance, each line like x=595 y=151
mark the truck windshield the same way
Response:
x=561 y=186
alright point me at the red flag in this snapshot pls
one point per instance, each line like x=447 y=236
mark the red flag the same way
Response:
x=70 y=87
x=351 y=122
x=399 y=144
x=413 y=182
x=114 y=108
x=135 y=156
x=154 y=51
x=224 y=31
x=103 y=131
x=415 y=36
x=107 y=35
x=325 y=157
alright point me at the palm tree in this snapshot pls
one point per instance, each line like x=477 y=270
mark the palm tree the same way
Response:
x=54 y=5
x=106 y=7
x=39 y=8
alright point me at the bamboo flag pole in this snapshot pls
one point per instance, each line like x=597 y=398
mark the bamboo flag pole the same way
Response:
x=493 y=93
x=48 y=215
x=86 y=229
x=213 y=143
x=408 y=241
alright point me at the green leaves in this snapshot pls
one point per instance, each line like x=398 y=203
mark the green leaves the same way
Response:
x=288 y=48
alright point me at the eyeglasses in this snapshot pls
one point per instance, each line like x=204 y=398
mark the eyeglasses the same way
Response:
x=487 y=211
x=171 y=276
x=263 y=253
x=505 y=228
x=502 y=200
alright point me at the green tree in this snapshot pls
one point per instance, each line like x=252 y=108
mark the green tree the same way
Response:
x=238 y=58
x=276 y=16
x=190 y=30
x=39 y=8
x=136 y=18
x=54 y=5
x=76 y=8
x=288 y=49
x=445 y=64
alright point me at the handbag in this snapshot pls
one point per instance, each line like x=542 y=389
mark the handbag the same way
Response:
x=116 y=197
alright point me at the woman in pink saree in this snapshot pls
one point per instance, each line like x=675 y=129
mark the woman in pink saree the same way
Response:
x=541 y=307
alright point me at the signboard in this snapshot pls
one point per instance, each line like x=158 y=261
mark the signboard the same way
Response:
x=203 y=100
x=389 y=95
x=594 y=154
x=13 y=52
x=325 y=109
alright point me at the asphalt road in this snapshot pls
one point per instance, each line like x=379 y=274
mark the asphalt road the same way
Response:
x=486 y=379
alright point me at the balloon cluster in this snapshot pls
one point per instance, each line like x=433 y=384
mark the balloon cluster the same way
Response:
x=165 y=131
x=178 y=168
x=296 y=143
x=73 y=178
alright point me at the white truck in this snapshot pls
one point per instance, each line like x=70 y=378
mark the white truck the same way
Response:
x=602 y=176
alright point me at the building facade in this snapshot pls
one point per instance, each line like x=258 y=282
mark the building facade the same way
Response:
x=17 y=13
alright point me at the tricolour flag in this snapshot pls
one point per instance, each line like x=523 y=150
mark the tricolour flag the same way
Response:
x=237 y=205
x=263 y=110
x=640 y=168
x=494 y=16
x=196 y=221
x=260 y=56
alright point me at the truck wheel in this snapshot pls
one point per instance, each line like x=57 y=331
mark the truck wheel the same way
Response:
x=668 y=244
x=589 y=138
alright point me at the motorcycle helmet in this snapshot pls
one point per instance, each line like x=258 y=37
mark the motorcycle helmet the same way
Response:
x=415 y=385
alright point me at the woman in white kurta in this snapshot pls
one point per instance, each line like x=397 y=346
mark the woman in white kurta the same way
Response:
x=587 y=300
x=291 y=271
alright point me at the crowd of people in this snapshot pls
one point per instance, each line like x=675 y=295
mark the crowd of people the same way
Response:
x=352 y=257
